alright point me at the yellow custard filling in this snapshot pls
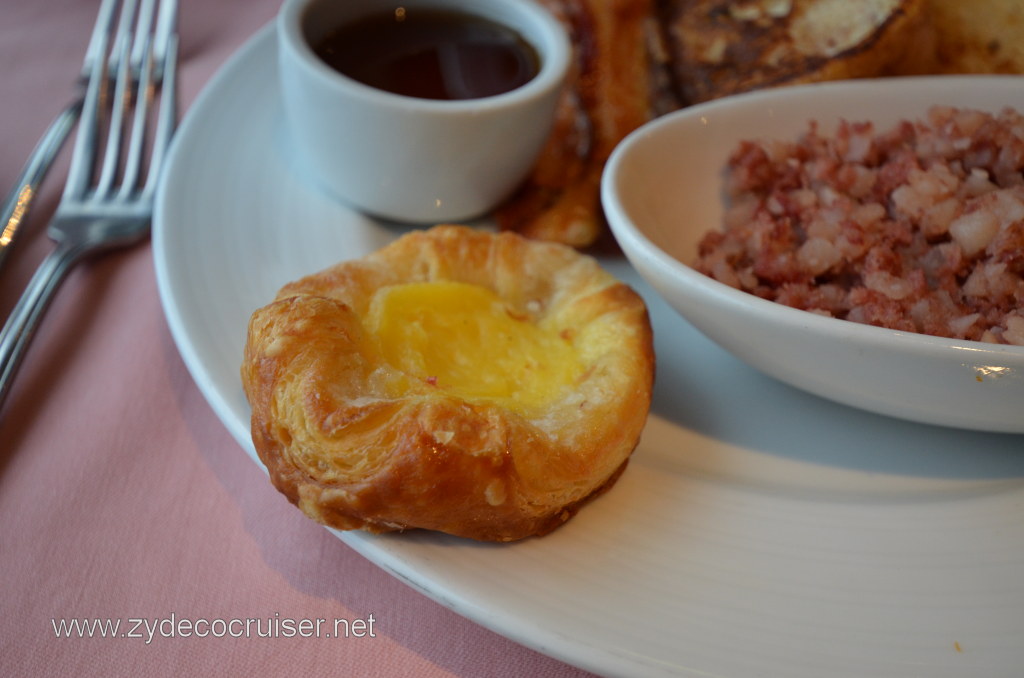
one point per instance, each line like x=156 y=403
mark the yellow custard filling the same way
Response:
x=465 y=340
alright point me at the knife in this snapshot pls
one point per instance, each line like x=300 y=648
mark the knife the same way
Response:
x=19 y=200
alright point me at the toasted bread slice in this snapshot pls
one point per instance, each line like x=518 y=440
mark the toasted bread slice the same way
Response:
x=981 y=36
x=722 y=47
x=637 y=59
x=619 y=81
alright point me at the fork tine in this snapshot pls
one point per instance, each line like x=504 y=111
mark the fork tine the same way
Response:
x=133 y=60
x=121 y=53
x=98 y=40
x=142 y=67
x=165 y=51
x=142 y=40
x=104 y=53
x=166 y=28
x=83 y=155
x=156 y=66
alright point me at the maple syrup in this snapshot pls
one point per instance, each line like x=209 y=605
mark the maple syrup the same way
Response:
x=431 y=54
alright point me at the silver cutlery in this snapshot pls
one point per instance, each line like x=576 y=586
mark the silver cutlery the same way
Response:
x=16 y=205
x=128 y=115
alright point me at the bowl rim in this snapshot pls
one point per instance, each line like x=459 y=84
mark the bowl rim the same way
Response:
x=549 y=39
x=635 y=242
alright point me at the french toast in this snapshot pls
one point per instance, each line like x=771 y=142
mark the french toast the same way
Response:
x=618 y=81
x=638 y=59
x=722 y=47
x=982 y=36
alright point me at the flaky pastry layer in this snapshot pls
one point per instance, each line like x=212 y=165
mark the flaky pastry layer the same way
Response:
x=356 y=444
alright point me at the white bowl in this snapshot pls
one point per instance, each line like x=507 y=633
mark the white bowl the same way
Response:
x=409 y=159
x=662 y=191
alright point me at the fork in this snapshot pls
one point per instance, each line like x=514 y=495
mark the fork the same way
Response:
x=107 y=201
x=16 y=205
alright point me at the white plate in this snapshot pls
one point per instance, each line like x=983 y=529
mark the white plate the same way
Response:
x=758 y=531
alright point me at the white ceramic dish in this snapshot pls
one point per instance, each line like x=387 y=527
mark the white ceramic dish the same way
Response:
x=759 y=531
x=662 y=191
x=412 y=159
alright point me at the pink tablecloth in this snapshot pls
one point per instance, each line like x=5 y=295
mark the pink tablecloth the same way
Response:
x=123 y=499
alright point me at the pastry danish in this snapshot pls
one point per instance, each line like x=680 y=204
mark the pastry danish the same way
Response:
x=479 y=384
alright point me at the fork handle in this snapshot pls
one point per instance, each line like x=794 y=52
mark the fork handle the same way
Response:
x=24 y=319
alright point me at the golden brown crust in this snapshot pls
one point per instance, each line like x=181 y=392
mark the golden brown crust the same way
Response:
x=637 y=59
x=613 y=88
x=723 y=47
x=981 y=36
x=352 y=455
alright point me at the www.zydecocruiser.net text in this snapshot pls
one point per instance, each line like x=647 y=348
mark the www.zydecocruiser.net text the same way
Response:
x=149 y=628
